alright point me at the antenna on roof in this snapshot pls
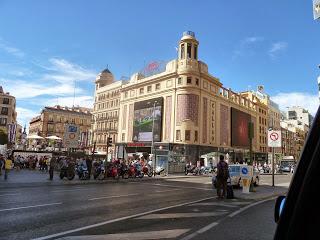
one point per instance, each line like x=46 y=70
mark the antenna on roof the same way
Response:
x=74 y=93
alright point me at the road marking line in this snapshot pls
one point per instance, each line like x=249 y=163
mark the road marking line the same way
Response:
x=172 y=190
x=182 y=215
x=33 y=206
x=249 y=206
x=152 y=235
x=117 y=196
x=200 y=231
x=177 y=186
x=9 y=194
x=214 y=204
x=120 y=219
x=69 y=190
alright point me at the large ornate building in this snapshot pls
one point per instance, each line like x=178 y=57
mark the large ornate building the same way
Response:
x=187 y=114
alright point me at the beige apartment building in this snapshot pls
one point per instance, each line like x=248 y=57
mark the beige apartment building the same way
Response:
x=52 y=121
x=8 y=112
x=187 y=114
x=106 y=111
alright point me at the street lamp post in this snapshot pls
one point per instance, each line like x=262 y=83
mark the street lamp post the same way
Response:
x=152 y=139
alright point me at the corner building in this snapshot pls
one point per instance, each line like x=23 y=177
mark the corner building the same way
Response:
x=195 y=117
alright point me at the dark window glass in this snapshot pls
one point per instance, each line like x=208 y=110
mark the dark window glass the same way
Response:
x=178 y=135
x=187 y=135
x=189 y=50
x=179 y=80
x=4 y=111
x=189 y=80
x=6 y=101
x=197 y=81
x=182 y=52
x=195 y=136
x=195 y=52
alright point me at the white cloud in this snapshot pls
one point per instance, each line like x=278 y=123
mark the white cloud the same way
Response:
x=250 y=40
x=82 y=101
x=64 y=71
x=11 y=50
x=305 y=100
x=25 y=115
x=276 y=48
x=246 y=46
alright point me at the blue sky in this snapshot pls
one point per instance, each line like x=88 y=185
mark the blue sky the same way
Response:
x=48 y=46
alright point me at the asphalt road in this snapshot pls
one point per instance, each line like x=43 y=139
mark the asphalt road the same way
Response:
x=130 y=210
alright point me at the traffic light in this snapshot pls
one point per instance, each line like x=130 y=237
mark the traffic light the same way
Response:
x=109 y=141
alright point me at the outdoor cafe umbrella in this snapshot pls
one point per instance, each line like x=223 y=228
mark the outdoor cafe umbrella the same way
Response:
x=34 y=137
x=53 y=138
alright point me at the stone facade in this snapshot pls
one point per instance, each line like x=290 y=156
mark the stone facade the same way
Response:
x=8 y=112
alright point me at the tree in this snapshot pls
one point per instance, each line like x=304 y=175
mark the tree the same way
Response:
x=3 y=137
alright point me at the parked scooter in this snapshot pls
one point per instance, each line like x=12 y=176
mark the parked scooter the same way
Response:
x=82 y=172
x=112 y=171
x=99 y=171
x=67 y=172
x=159 y=170
x=147 y=170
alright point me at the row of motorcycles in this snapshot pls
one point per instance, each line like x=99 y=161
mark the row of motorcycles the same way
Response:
x=110 y=170
x=194 y=170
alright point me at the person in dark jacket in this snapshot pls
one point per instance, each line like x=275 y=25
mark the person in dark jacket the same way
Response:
x=222 y=177
x=89 y=166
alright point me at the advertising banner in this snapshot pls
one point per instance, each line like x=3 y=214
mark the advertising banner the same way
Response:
x=144 y=113
x=240 y=128
x=71 y=136
x=12 y=132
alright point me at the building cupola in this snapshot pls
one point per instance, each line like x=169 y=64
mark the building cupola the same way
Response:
x=188 y=46
x=104 y=78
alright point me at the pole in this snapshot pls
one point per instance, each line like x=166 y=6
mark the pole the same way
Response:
x=152 y=140
x=107 y=147
x=273 y=167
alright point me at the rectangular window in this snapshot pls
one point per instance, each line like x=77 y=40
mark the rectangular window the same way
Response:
x=196 y=136
x=4 y=111
x=182 y=52
x=126 y=94
x=5 y=101
x=189 y=50
x=149 y=88
x=141 y=90
x=189 y=80
x=179 y=80
x=3 y=121
x=195 y=52
x=123 y=137
x=158 y=86
x=197 y=81
x=187 y=135
x=178 y=135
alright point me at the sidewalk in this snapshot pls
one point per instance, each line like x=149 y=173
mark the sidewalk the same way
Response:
x=261 y=192
x=36 y=178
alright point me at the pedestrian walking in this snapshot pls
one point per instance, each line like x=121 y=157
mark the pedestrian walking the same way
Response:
x=1 y=163
x=222 y=177
x=51 y=167
x=7 y=167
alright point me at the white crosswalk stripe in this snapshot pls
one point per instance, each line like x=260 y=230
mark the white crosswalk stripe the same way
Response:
x=163 y=234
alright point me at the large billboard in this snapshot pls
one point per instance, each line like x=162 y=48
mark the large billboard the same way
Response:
x=143 y=120
x=71 y=136
x=240 y=128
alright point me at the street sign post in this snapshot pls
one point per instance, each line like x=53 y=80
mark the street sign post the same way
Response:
x=274 y=140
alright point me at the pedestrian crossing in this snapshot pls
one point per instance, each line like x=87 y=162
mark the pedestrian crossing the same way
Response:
x=184 y=222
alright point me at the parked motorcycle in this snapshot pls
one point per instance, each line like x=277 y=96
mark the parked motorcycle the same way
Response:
x=67 y=172
x=82 y=172
x=112 y=171
x=147 y=170
x=99 y=172
x=123 y=171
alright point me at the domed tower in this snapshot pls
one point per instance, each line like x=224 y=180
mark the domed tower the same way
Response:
x=104 y=78
x=188 y=46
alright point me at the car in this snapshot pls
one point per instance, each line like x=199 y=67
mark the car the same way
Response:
x=298 y=213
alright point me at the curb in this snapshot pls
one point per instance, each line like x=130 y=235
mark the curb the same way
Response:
x=47 y=183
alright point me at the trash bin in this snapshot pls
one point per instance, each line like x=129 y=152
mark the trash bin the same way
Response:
x=245 y=185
